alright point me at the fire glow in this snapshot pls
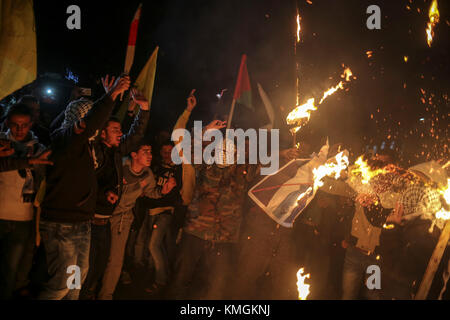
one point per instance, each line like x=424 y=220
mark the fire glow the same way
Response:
x=444 y=214
x=303 y=288
x=301 y=114
x=330 y=169
x=433 y=14
x=366 y=173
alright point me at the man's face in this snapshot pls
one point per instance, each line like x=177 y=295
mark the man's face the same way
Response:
x=112 y=134
x=166 y=154
x=143 y=157
x=20 y=126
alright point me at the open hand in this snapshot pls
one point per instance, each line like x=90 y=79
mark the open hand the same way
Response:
x=216 y=125
x=42 y=159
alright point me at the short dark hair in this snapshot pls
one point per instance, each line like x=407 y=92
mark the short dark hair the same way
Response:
x=28 y=98
x=19 y=109
x=111 y=119
x=139 y=145
x=167 y=143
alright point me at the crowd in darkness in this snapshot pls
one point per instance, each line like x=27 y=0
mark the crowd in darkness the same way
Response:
x=90 y=190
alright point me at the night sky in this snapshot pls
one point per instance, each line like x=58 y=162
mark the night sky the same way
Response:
x=201 y=43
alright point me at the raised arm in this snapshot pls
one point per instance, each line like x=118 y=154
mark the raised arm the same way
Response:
x=137 y=130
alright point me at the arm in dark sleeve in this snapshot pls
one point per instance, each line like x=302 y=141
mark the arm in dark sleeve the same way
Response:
x=127 y=122
x=136 y=132
x=10 y=164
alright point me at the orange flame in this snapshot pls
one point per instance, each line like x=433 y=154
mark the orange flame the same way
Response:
x=433 y=14
x=303 y=289
x=330 y=169
x=362 y=169
x=444 y=214
x=298 y=28
x=301 y=114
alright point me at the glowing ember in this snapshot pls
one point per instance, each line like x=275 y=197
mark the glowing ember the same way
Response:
x=405 y=58
x=433 y=14
x=366 y=173
x=330 y=169
x=303 y=289
x=369 y=54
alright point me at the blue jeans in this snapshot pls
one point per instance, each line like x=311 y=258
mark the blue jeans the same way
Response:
x=161 y=225
x=13 y=240
x=98 y=258
x=354 y=275
x=66 y=244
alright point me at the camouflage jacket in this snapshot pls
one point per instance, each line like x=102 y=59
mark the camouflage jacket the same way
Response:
x=215 y=213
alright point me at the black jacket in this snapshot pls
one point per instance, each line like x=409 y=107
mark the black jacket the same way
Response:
x=109 y=170
x=71 y=184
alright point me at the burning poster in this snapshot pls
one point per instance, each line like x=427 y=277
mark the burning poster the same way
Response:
x=285 y=194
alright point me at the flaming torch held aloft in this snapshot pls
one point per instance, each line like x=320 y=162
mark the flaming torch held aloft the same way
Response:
x=301 y=114
x=433 y=14
x=303 y=288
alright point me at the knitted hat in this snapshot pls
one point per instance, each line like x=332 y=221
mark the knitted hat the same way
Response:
x=75 y=111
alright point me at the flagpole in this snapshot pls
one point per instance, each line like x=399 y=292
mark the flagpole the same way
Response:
x=433 y=264
x=230 y=116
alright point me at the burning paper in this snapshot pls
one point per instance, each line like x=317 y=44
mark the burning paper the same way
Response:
x=433 y=14
x=303 y=288
x=284 y=195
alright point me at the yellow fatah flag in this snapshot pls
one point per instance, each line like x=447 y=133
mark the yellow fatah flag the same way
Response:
x=18 y=58
x=144 y=83
x=146 y=79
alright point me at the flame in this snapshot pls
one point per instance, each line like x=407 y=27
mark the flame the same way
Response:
x=298 y=28
x=303 y=289
x=369 y=54
x=330 y=91
x=433 y=14
x=363 y=169
x=444 y=214
x=330 y=169
x=388 y=226
x=301 y=114
x=405 y=58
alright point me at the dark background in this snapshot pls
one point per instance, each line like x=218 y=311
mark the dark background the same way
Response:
x=201 y=43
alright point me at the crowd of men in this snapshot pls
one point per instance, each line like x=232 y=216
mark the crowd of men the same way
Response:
x=89 y=196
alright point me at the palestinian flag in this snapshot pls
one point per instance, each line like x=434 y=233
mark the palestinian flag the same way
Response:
x=243 y=91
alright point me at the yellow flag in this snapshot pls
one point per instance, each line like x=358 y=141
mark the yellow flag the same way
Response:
x=146 y=79
x=144 y=83
x=18 y=58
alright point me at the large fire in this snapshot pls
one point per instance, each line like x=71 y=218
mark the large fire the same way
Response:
x=433 y=14
x=303 y=288
x=363 y=169
x=330 y=169
x=301 y=114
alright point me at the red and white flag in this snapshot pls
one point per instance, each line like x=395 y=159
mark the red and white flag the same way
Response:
x=132 y=40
